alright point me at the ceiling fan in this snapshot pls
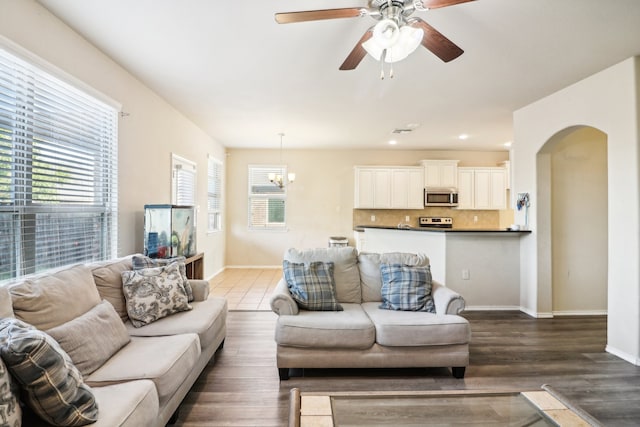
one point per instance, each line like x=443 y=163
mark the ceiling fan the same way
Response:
x=396 y=34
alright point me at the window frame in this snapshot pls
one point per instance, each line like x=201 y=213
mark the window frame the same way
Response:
x=58 y=170
x=185 y=193
x=215 y=173
x=279 y=195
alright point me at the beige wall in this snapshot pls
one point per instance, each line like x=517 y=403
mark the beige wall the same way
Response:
x=147 y=136
x=608 y=101
x=579 y=222
x=320 y=202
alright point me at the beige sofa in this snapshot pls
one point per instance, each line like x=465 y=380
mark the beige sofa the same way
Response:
x=363 y=335
x=145 y=381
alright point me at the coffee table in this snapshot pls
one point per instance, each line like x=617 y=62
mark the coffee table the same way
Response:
x=435 y=408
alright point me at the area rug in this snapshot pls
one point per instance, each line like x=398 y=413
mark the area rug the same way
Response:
x=543 y=407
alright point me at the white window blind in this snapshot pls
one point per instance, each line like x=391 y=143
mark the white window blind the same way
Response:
x=183 y=178
x=266 y=200
x=214 y=195
x=58 y=172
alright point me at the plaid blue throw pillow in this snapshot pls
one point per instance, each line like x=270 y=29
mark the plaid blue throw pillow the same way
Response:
x=312 y=285
x=406 y=288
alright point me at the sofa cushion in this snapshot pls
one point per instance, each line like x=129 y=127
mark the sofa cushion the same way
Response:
x=345 y=273
x=416 y=328
x=207 y=319
x=50 y=300
x=53 y=385
x=154 y=293
x=10 y=411
x=166 y=361
x=406 y=288
x=350 y=329
x=311 y=285
x=91 y=339
x=6 y=308
x=141 y=261
x=108 y=278
x=129 y=404
x=369 y=264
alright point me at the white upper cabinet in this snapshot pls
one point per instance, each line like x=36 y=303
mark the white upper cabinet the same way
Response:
x=440 y=173
x=482 y=188
x=388 y=187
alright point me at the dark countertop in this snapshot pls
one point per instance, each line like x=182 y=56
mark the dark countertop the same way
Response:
x=444 y=230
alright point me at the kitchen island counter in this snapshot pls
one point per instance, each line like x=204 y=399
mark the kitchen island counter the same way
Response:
x=483 y=265
x=362 y=228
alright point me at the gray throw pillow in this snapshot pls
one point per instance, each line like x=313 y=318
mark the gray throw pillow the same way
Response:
x=406 y=288
x=91 y=339
x=154 y=293
x=312 y=285
x=54 y=387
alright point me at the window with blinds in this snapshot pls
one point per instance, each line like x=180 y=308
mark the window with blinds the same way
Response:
x=266 y=200
x=183 y=181
x=214 y=195
x=58 y=172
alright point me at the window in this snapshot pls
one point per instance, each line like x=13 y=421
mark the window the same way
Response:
x=183 y=181
x=266 y=200
x=214 y=195
x=58 y=172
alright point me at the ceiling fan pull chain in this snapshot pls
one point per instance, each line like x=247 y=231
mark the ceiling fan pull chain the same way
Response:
x=391 y=70
x=384 y=54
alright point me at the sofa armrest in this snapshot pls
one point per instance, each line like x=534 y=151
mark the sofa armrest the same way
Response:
x=281 y=300
x=446 y=300
x=200 y=289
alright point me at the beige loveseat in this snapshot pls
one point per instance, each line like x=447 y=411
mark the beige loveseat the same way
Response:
x=363 y=335
x=144 y=382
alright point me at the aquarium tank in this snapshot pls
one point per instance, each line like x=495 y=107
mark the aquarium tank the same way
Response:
x=169 y=231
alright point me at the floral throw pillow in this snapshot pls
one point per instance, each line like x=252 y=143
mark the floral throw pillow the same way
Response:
x=312 y=285
x=141 y=261
x=406 y=288
x=10 y=411
x=154 y=293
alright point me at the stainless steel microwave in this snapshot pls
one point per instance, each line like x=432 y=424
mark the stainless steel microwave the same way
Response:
x=440 y=196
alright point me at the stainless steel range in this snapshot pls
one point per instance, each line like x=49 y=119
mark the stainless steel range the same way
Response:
x=435 y=221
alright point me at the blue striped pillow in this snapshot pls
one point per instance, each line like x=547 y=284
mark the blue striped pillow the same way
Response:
x=406 y=288
x=312 y=285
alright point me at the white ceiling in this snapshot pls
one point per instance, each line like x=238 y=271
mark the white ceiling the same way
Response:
x=243 y=78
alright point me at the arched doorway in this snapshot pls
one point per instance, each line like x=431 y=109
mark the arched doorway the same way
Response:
x=573 y=168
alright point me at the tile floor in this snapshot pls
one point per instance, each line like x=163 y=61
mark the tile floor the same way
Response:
x=246 y=289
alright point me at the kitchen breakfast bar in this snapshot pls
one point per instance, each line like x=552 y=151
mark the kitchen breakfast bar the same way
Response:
x=481 y=264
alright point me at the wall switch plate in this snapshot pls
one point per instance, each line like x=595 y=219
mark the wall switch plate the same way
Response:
x=465 y=274
x=475 y=218
x=407 y=219
x=373 y=218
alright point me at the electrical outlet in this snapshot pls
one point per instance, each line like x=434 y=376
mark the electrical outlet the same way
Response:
x=465 y=274
x=475 y=218
x=373 y=218
x=407 y=219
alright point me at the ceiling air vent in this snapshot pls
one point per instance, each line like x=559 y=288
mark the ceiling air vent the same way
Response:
x=402 y=131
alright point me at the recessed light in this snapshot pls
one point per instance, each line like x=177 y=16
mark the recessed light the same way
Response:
x=393 y=142
x=463 y=136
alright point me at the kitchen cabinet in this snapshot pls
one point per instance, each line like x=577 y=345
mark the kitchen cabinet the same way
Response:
x=388 y=187
x=482 y=188
x=440 y=173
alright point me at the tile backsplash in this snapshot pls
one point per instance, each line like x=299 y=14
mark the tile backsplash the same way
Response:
x=461 y=218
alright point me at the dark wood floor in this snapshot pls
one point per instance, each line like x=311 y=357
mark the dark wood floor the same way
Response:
x=509 y=351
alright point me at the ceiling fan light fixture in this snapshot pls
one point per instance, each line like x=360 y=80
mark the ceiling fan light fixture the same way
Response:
x=386 y=33
x=407 y=41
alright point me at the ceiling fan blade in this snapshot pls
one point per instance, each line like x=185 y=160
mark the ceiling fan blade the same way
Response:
x=316 y=15
x=435 y=4
x=433 y=40
x=358 y=53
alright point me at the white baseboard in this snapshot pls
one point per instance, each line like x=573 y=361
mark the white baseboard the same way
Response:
x=580 y=313
x=623 y=355
x=537 y=315
x=492 y=308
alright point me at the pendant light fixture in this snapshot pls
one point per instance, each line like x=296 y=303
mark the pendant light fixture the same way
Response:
x=276 y=178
